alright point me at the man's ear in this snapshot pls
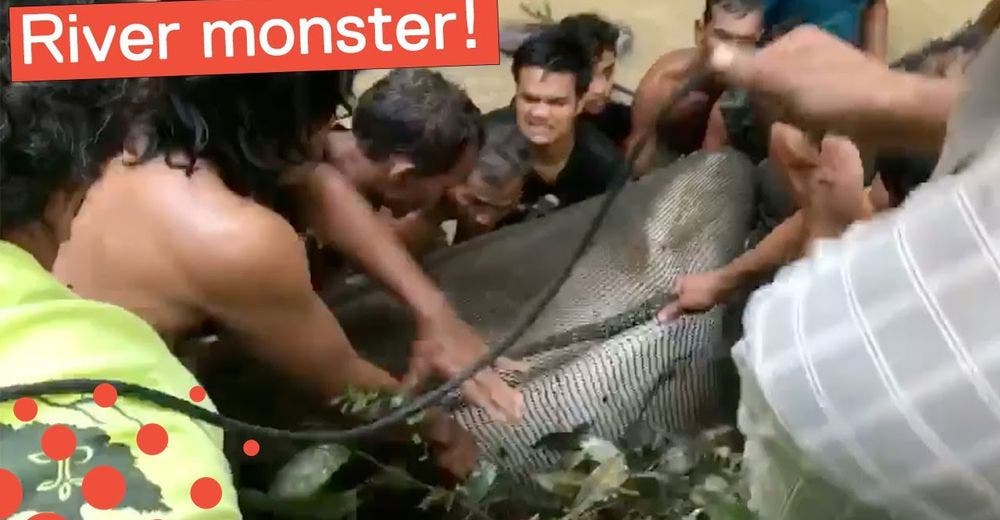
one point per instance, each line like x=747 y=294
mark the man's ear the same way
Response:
x=579 y=104
x=699 y=31
x=63 y=205
x=400 y=168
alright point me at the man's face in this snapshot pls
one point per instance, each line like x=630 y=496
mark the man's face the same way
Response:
x=546 y=104
x=408 y=191
x=730 y=28
x=599 y=92
x=481 y=205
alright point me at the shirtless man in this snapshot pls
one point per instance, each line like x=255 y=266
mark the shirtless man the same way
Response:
x=176 y=240
x=484 y=202
x=54 y=137
x=739 y=22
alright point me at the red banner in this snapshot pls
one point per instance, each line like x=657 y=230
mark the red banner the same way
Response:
x=245 y=36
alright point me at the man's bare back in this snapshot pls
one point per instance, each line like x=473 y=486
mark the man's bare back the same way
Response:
x=143 y=233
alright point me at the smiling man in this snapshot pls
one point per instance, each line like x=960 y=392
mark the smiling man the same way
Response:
x=599 y=38
x=571 y=160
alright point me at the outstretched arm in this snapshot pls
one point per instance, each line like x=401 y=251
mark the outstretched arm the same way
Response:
x=257 y=283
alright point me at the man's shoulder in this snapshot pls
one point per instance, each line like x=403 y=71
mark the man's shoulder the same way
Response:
x=675 y=64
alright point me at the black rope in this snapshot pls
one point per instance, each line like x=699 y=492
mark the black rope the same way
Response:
x=419 y=403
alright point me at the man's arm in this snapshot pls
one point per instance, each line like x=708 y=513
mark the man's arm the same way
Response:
x=875 y=29
x=285 y=323
x=716 y=135
x=659 y=82
x=824 y=85
x=256 y=282
x=700 y=292
x=341 y=217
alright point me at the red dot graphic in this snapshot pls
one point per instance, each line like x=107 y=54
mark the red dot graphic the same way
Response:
x=251 y=448
x=47 y=516
x=11 y=493
x=206 y=493
x=197 y=394
x=104 y=487
x=25 y=409
x=58 y=442
x=105 y=395
x=152 y=439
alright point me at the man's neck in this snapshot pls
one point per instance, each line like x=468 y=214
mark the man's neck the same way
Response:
x=550 y=159
x=363 y=173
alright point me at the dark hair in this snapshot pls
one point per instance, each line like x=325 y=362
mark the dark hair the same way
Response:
x=419 y=114
x=968 y=38
x=552 y=50
x=505 y=156
x=738 y=8
x=596 y=34
x=53 y=135
x=250 y=126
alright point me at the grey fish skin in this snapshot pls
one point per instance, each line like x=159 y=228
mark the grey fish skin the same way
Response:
x=595 y=353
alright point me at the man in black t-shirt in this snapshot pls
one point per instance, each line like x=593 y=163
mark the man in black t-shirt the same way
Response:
x=571 y=160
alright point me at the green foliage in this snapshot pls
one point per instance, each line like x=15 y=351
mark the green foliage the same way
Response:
x=646 y=475
x=661 y=477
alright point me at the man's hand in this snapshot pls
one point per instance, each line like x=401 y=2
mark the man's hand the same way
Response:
x=445 y=346
x=696 y=293
x=821 y=84
x=454 y=448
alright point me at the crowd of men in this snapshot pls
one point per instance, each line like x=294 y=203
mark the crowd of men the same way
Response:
x=228 y=202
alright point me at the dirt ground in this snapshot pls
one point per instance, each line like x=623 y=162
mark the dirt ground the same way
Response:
x=662 y=25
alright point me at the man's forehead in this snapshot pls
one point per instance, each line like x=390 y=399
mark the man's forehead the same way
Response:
x=738 y=23
x=536 y=78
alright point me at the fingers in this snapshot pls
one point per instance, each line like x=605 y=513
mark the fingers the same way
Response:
x=736 y=66
x=419 y=371
x=842 y=156
x=669 y=313
x=506 y=403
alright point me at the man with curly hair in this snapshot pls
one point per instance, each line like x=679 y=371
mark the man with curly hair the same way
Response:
x=55 y=138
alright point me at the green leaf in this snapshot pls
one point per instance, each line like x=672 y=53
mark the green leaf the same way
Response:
x=601 y=484
x=729 y=510
x=308 y=471
x=599 y=450
x=562 y=483
x=438 y=496
x=480 y=482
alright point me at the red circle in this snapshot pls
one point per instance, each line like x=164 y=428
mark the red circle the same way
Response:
x=197 y=394
x=152 y=439
x=58 y=442
x=251 y=448
x=104 y=487
x=11 y=493
x=105 y=395
x=47 y=516
x=25 y=409
x=206 y=493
